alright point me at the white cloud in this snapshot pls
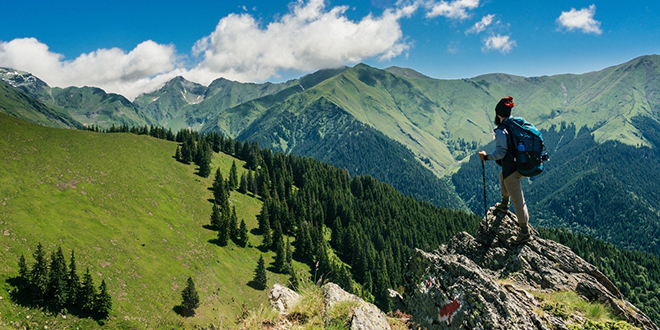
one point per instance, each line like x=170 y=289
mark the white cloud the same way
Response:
x=456 y=9
x=582 y=19
x=481 y=25
x=308 y=38
x=503 y=44
x=110 y=69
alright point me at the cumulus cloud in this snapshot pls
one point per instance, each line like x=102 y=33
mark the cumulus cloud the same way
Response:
x=308 y=38
x=500 y=43
x=457 y=9
x=481 y=25
x=111 y=69
x=582 y=19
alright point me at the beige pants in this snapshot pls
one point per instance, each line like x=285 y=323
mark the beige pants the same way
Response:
x=511 y=189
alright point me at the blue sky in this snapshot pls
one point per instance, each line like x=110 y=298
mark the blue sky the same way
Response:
x=131 y=47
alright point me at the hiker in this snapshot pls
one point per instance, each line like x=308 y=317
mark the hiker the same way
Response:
x=509 y=176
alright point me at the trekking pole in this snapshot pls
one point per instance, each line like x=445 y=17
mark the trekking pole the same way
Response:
x=483 y=176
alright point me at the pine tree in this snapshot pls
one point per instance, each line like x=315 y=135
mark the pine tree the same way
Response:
x=250 y=182
x=233 y=176
x=267 y=238
x=87 y=294
x=280 y=256
x=57 y=278
x=215 y=216
x=233 y=224
x=205 y=162
x=102 y=302
x=223 y=231
x=243 y=234
x=294 y=284
x=220 y=191
x=260 y=277
x=289 y=254
x=178 y=155
x=190 y=298
x=39 y=274
x=23 y=271
x=243 y=187
x=73 y=282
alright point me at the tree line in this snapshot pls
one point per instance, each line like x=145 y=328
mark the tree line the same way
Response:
x=58 y=288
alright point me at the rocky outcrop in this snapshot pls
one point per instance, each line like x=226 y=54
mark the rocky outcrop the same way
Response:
x=486 y=282
x=363 y=316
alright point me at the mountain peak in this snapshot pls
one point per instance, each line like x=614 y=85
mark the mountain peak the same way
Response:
x=405 y=72
x=487 y=282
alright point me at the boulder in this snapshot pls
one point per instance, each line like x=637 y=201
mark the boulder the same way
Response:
x=282 y=298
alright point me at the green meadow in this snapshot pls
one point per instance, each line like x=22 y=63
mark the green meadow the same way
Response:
x=134 y=216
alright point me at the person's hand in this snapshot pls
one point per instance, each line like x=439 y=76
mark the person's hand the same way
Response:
x=482 y=155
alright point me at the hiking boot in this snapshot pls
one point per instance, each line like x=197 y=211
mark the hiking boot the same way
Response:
x=523 y=237
x=503 y=206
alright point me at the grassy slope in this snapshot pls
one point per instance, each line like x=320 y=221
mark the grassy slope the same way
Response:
x=132 y=213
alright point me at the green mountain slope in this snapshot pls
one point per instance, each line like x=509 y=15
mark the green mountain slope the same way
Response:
x=93 y=106
x=325 y=132
x=20 y=105
x=134 y=215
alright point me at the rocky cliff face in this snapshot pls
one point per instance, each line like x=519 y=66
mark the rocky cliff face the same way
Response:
x=485 y=282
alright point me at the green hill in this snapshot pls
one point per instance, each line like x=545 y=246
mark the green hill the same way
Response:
x=132 y=213
x=16 y=103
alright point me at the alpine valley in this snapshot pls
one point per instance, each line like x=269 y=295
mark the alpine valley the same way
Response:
x=374 y=127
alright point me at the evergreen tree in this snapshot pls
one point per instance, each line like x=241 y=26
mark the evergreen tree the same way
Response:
x=381 y=292
x=264 y=217
x=223 y=231
x=178 y=155
x=205 y=161
x=102 y=302
x=280 y=256
x=216 y=216
x=249 y=181
x=73 y=282
x=87 y=294
x=260 y=277
x=220 y=191
x=243 y=187
x=233 y=176
x=23 y=271
x=267 y=238
x=57 y=279
x=294 y=284
x=233 y=224
x=190 y=298
x=289 y=254
x=39 y=274
x=242 y=234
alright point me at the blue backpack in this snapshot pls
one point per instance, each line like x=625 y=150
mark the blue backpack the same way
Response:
x=526 y=146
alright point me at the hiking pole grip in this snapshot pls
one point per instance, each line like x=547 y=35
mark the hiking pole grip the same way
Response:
x=483 y=176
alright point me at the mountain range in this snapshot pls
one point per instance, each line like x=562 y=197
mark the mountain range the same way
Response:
x=416 y=132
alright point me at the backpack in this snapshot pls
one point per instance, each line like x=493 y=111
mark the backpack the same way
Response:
x=526 y=146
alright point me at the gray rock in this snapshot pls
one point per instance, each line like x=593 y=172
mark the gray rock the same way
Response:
x=485 y=282
x=282 y=298
x=366 y=316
